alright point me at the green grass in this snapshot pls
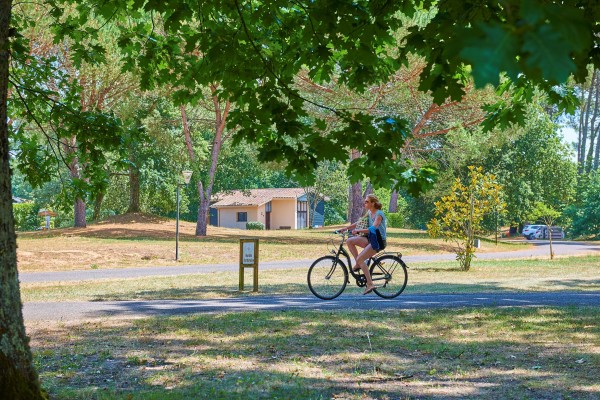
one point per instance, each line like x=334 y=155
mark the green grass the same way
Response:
x=522 y=353
x=566 y=274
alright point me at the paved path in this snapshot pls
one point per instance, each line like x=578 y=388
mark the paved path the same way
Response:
x=68 y=311
x=539 y=249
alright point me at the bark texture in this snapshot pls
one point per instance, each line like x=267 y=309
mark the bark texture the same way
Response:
x=80 y=221
x=79 y=207
x=98 y=205
x=355 y=202
x=18 y=379
x=134 y=190
x=393 y=207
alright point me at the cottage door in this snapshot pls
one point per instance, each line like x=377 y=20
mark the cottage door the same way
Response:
x=268 y=216
x=302 y=212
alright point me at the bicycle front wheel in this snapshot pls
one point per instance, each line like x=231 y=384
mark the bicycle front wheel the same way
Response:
x=389 y=275
x=327 y=277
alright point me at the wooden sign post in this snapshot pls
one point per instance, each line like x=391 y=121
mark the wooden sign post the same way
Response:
x=249 y=259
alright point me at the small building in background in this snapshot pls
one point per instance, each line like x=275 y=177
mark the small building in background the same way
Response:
x=285 y=208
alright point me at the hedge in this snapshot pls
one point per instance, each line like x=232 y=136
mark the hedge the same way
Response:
x=255 y=226
x=395 y=220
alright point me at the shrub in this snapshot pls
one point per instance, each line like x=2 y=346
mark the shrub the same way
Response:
x=255 y=226
x=395 y=220
x=26 y=218
x=333 y=216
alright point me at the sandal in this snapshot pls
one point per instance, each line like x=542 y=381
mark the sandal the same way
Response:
x=356 y=268
x=369 y=289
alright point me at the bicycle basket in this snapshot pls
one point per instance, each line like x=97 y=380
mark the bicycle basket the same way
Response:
x=362 y=223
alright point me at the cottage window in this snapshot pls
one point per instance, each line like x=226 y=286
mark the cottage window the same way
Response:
x=242 y=217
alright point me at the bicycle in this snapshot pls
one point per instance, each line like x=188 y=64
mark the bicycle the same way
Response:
x=328 y=275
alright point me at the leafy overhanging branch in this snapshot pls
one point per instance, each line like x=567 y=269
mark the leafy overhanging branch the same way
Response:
x=256 y=49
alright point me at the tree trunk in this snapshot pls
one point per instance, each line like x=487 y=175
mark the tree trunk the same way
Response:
x=18 y=379
x=549 y=230
x=368 y=190
x=589 y=160
x=584 y=126
x=80 y=221
x=597 y=154
x=313 y=195
x=201 y=224
x=79 y=205
x=203 y=206
x=393 y=202
x=356 y=205
x=134 y=190
x=204 y=195
x=356 y=202
x=98 y=206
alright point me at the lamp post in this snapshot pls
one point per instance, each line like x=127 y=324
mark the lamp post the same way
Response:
x=186 y=179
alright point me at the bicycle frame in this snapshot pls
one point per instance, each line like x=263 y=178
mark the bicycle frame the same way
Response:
x=382 y=265
x=342 y=250
x=360 y=279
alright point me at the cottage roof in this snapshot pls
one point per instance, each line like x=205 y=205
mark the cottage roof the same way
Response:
x=255 y=197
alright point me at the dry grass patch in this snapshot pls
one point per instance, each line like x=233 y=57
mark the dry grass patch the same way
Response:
x=140 y=240
x=483 y=353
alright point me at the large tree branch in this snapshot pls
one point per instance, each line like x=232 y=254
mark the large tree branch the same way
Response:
x=187 y=134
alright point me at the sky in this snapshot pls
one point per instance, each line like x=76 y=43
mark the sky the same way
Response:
x=569 y=137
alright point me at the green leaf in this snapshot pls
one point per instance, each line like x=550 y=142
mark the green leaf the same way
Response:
x=491 y=49
x=548 y=54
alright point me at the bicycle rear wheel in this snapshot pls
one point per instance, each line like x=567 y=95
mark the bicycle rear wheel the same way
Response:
x=390 y=275
x=327 y=277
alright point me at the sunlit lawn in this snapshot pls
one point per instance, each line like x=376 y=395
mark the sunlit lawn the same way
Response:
x=129 y=246
x=517 y=353
x=527 y=353
x=575 y=273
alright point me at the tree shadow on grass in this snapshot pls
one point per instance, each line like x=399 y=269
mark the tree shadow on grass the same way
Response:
x=483 y=353
x=575 y=284
x=293 y=290
x=207 y=291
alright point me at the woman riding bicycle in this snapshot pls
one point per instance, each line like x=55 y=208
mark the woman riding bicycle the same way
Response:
x=377 y=225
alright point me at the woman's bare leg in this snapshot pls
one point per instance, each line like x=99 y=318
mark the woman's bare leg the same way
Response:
x=367 y=253
x=354 y=241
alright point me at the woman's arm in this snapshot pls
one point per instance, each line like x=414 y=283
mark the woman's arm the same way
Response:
x=376 y=224
x=350 y=227
x=377 y=221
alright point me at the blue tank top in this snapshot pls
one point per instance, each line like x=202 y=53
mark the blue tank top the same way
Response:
x=382 y=226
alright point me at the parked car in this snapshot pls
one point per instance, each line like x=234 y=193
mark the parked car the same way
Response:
x=557 y=233
x=530 y=231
